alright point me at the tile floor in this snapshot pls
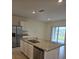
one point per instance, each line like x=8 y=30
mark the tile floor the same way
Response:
x=16 y=54
x=62 y=53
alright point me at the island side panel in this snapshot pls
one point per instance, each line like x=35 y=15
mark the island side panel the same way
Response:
x=52 y=54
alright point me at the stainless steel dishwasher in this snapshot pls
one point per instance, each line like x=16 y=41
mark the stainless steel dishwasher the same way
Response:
x=38 y=53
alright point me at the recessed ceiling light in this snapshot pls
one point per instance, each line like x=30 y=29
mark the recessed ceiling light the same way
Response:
x=59 y=1
x=49 y=19
x=33 y=12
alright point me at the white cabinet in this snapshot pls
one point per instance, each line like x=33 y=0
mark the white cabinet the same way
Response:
x=22 y=46
x=16 y=20
x=52 y=54
x=27 y=49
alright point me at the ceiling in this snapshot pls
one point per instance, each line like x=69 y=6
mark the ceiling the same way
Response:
x=52 y=9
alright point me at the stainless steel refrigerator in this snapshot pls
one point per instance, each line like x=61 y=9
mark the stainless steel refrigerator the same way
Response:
x=16 y=36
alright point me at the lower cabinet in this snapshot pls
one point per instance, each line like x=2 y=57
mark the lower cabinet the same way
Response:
x=33 y=52
x=22 y=46
x=52 y=54
x=27 y=49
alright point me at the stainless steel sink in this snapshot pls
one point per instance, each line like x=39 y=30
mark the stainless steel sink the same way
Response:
x=33 y=41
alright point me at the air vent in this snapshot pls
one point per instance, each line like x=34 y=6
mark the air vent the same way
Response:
x=41 y=10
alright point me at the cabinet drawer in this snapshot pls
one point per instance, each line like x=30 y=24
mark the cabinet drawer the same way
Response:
x=28 y=50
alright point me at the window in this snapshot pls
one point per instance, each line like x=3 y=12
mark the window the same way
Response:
x=58 y=34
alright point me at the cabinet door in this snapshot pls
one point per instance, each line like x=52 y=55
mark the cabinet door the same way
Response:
x=22 y=45
x=25 y=49
x=53 y=54
x=28 y=50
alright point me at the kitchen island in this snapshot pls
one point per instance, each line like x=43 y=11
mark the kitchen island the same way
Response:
x=44 y=49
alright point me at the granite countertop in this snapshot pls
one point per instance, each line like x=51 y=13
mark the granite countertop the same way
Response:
x=44 y=44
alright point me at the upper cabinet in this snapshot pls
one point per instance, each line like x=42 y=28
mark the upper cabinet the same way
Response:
x=16 y=20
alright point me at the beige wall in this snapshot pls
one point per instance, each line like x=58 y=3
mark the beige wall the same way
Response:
x=41 y=29
x=34 y=28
